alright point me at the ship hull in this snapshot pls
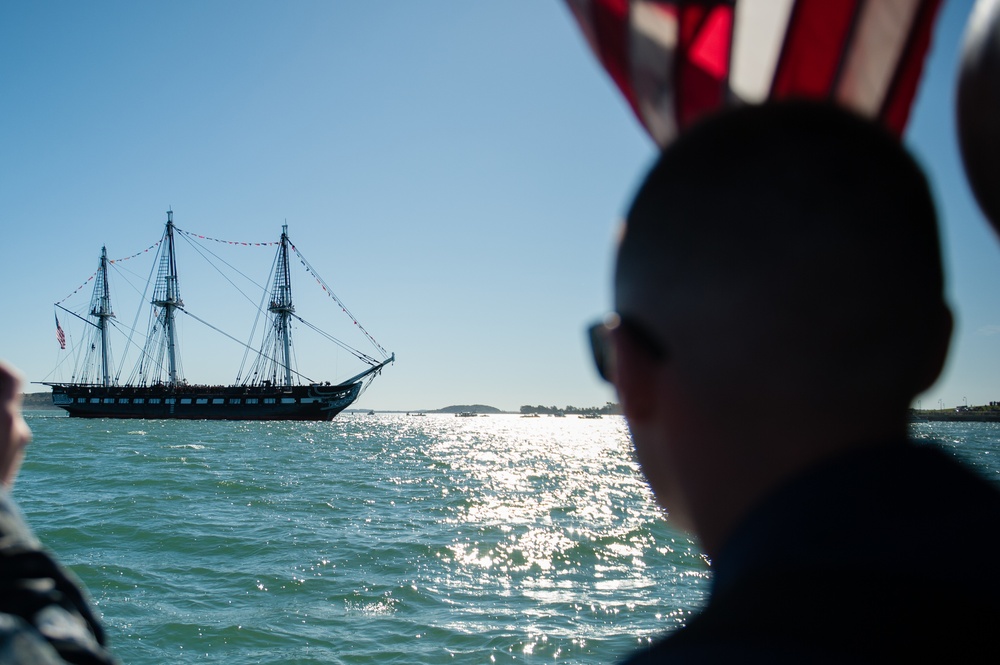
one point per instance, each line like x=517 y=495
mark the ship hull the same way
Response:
x=313 y=402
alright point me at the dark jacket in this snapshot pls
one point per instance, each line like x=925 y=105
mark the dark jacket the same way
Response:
x=44 y=616
x=883 y=555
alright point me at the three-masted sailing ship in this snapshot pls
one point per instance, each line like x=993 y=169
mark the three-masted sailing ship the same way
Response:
x=271 y=389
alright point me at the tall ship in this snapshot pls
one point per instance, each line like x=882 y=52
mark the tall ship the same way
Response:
x=268 y=386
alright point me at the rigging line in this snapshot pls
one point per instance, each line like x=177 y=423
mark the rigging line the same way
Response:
x=224 y=275
x=59 y=363
x=293 y=349
x=129 y=342
x=124 y=274
x=200 y=249
x=114 y=325
x=264 y=296
x=228 y=242
x=326 y=287
x=356 y=353
x=118 y=270
x=80 y=356
x=142 y=299
x=153 y=246
x=71 y=312
x=222 y=332
x=151 y=343
x=150 y=362
x=77 y=289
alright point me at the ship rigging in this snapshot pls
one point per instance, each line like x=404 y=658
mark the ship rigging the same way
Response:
x=267 y=387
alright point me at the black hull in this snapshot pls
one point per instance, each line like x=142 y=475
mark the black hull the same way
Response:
x=314 y=402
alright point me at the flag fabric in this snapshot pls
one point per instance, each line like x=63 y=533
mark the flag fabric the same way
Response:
x=60 y=335
x=676 y=60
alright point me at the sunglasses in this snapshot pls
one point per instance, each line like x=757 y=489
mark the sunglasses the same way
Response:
x=603 y=350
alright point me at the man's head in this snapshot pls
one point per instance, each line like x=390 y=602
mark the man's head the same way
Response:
x=786 y=260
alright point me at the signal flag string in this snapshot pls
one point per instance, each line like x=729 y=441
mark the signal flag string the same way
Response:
x=94 y=274
x=153 y=246
x=329 y=292
x=228 y=242
x=308 y=267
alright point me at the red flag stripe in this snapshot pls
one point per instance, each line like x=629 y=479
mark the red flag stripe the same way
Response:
x=676 y=60
x=813 y=52
x=895 y=110
x=703 y=69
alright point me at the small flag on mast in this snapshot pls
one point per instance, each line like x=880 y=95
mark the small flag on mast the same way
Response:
x=60 y=335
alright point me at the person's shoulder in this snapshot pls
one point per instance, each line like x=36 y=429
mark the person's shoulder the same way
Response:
x=45 y=614
x=941 y=476
x=14 y=531
x=21 y=643
x=906 y=471
x=683 y=648
x=801 y=618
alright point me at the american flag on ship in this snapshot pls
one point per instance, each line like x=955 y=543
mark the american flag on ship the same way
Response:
x=60 y=335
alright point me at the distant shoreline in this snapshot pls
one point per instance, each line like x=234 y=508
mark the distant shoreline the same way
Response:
x=43 y=402
x=38 y=402
x=953 y=417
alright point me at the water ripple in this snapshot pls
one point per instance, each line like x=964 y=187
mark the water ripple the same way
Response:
x=386 y=539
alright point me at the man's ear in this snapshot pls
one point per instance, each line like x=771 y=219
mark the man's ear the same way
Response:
x=634 y=377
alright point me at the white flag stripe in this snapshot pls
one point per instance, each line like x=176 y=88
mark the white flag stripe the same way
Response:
x=759 y=28
x=652 y=49
x=879 y=41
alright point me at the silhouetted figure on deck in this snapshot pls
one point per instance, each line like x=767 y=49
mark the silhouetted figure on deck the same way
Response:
x=779 y=299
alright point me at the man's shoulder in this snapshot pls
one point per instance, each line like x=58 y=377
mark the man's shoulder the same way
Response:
x=45 y=615
x=15 y=534
x=872 y=506
x=933 y=489
x=20 y=642
x=850 y=565
x=833 y=616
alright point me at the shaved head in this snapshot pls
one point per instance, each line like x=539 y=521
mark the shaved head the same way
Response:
x=792 y=250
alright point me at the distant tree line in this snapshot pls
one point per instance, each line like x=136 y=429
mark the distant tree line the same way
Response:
x=609 y=408
x=39 y=401
x=991 y=407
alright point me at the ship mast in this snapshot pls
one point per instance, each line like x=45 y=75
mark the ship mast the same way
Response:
x=281 y=306
x=166 y=295
x=100 y=306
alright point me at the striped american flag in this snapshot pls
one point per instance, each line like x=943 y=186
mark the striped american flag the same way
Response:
x=60 y=335
x=675 y=60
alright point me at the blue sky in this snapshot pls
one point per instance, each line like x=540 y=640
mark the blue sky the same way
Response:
x=454 y=170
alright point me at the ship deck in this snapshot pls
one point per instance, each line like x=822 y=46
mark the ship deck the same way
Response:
x=193 y=402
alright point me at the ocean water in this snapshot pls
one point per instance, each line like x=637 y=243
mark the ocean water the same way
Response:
x=372 y=539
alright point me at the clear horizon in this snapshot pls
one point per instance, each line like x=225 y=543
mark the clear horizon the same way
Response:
x=455 y=171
